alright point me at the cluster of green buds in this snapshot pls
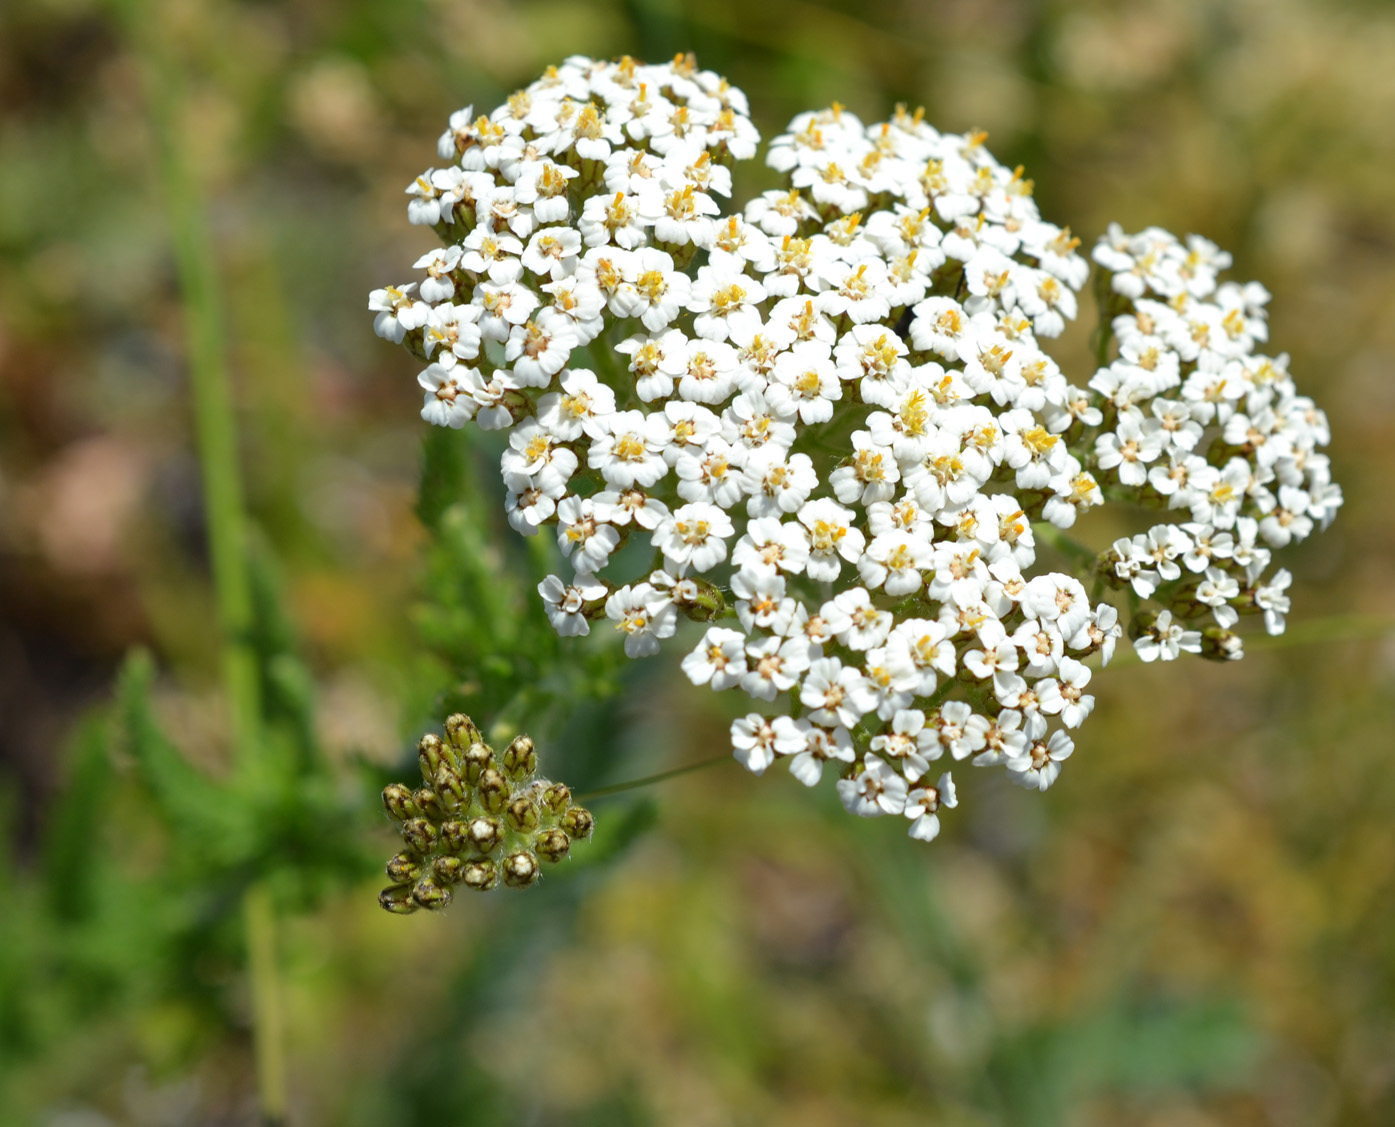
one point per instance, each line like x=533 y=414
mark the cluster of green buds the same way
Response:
x=478 y=819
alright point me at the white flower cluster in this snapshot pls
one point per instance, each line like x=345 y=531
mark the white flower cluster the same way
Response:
x=825 y=426
x=1191 y=418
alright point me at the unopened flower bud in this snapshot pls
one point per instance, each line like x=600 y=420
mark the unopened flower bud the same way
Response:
x=461 y=732
x=1221 y=645
x=404 y=868
x=578 y=823
x=475 y=761
x=420 y=835
x=429 y=894
x=557 y=797
x=431 y=754
x=479 y=821
x=1141 y=623
x=523 y=814
x=700 y=600
x=397 y=799
x=430 y=803
x=448 y=870
x=520 y=759
x=494 y=791
x=485 y=834
x=454 y=837
x=520 y=869
x=552 y=845
x=451 y=787
x=397 y=900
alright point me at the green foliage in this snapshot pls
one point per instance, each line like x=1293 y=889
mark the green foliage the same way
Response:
x=497 y=656
x=148 y=856
x=145 y=861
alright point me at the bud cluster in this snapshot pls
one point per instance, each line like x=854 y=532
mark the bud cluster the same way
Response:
x=478 y=819
x=828 y=421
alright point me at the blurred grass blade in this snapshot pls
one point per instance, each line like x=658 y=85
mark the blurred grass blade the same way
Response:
x=73 y=845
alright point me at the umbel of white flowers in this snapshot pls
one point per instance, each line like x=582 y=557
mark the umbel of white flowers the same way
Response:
x=829 y=414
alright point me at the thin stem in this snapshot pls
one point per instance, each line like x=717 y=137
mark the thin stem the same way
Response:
x=214 y=421
x=216 y=429
x=268 y=1017
x=650 y=780
x=1106 y=301
x=1069 y=547
x=1311 y=632
x=1333 y=628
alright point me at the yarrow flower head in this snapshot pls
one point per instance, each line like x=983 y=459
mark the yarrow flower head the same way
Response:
x=831 y=414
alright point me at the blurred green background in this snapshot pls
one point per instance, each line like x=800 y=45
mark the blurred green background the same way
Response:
x=1196 y=927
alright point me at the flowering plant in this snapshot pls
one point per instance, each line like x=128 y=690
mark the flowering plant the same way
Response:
x=825 y=427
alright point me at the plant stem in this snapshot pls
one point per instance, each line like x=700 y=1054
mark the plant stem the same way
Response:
x=268 y=1021
x=650 y=780
x=215 y=427
x=1333 y=628
x=214 y=421
x=1308 y=632
x=1106 y=302
x=1069 y=547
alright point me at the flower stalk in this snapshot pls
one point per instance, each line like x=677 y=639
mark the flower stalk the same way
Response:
x=215 y=427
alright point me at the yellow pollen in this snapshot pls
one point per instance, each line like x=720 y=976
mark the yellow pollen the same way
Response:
x=652 y=284
x=629 y=448
x=1038 y=441
x=995 y=359
x=680 y=203
x=588 y=122
x=915 y=413
x=536 y=342
x=728 y=298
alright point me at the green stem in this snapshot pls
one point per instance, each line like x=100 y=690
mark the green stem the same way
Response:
x=1311 y=632
x=268 y=1020
x=216 y=429
x=1333 y=628
x=1107 y=303
x=1070 y=548
x=650 y=780
x=214 y=421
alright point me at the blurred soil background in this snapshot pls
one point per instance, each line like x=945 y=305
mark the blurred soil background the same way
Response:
x=1194 y=928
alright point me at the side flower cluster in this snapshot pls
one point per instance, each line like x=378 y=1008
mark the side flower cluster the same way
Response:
x=824 y=425
x=477 y=820
x=1193 y=420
